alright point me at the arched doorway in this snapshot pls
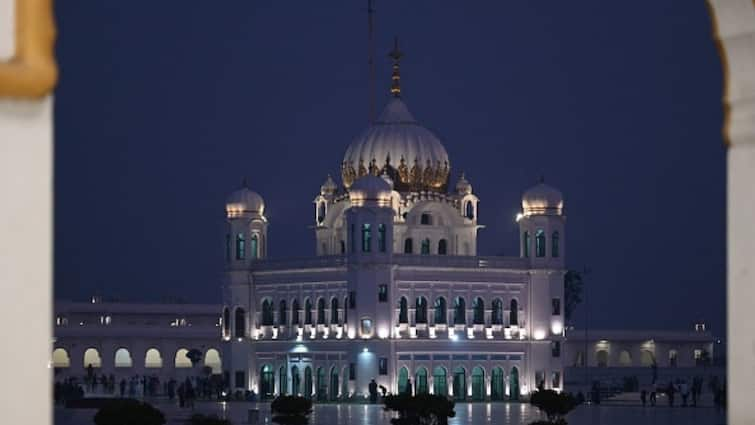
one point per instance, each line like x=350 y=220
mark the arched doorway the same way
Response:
x=514 y=384
x=267 y=382
x=60 y=358
x=478 y=384
x=282 y=381
x=460 y=384
x=420 y=381
x=122 y=358
x=496 y=384
x=153 y=359
x=333 y=383
x=403 y=380
x=212 y=360
x=308 y=382
x=92 y=357
x=440 y=386
x=322 y=384
x=295 y=381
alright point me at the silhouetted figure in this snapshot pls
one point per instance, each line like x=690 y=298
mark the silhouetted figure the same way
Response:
x=670 y=390
x=653 y=395
x=684 y=390
x=373 y=391
x=409 y=387
x=643 y=397
x=181 y=395
x=123 y=387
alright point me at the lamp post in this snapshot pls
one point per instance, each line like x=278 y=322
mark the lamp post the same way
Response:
x=585 y=271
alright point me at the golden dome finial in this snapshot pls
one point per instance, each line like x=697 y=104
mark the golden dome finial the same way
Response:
x=396 y=55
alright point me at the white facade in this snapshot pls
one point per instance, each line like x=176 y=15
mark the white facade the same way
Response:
x=395 y=289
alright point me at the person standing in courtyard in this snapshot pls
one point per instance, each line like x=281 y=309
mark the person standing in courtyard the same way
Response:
x=409 y=386
x=684 y=390
x=653 y=395
x=670 y=390
x=643 y=397
x=373 y=391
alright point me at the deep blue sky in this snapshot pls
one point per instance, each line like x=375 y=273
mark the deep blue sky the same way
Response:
x=164 y=106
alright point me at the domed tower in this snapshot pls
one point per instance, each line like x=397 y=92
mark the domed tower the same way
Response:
x=246 y=237
x=541 y=225
x=369 y=224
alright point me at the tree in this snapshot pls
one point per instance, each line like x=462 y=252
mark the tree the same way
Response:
x=555 y=405
x=572 y=292
x=422 y=409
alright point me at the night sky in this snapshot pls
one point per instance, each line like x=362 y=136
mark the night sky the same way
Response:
x=164 y=106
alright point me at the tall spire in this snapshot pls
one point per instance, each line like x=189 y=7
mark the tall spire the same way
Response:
x=396 y=55
x=371 y=59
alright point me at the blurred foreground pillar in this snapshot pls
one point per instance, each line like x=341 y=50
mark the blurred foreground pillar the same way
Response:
x=734 y=23
x=25 y=218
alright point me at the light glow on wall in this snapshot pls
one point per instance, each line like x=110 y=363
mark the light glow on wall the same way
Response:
x=539 y=334
x=383 y=332
x=557 y=328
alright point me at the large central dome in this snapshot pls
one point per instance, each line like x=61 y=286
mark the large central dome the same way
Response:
x=396 y=144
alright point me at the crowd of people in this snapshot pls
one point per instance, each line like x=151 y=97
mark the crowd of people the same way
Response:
x=682 y=393
x=186 y=391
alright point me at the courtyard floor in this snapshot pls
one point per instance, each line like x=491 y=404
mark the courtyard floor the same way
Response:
x=466 y=414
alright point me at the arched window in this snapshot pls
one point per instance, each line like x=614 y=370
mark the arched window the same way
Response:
x=343 y=247
x=267 y=382
x=425 y=247
x=282 y=313
x=295 y=312
x=460 y=311
x=320 y=212
x=123 y=358
x=307 y=312
x=181 y=360
x=514 y=314
x=240 y=247
x=240 y=323
x=440 y=310
x=420 y=312
x=321 y=311
x=526 y=243
x=322 y=384
x=308 y=391
x=425 y=218
x=479 y=311
x=254 y=245
x=469 y=210
x=212 y=360
x=442 y=247
x=366 y=237
x=381 y=237
x=282 y=381
x=334 y=310
x=555 y=245
x=496 y=316
x=540 y=243
x=333 y=383
x=226 y=322
x=408 y=246
x=153 y=359
x=60 y=358
x=403 y=310
x=514 y=384
x=268 y=316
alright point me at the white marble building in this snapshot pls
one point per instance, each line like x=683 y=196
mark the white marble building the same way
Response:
x=396 y=290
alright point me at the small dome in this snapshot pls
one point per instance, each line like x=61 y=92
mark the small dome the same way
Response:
x=463 y=187
x=329 y=187
x=245 y=200
x=369 y=188
x=542 y=200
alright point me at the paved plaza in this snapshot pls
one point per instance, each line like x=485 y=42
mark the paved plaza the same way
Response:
x=466 y=414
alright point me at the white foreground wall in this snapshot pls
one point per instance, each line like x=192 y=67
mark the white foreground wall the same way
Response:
x=25 y=247
x=735 y=27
